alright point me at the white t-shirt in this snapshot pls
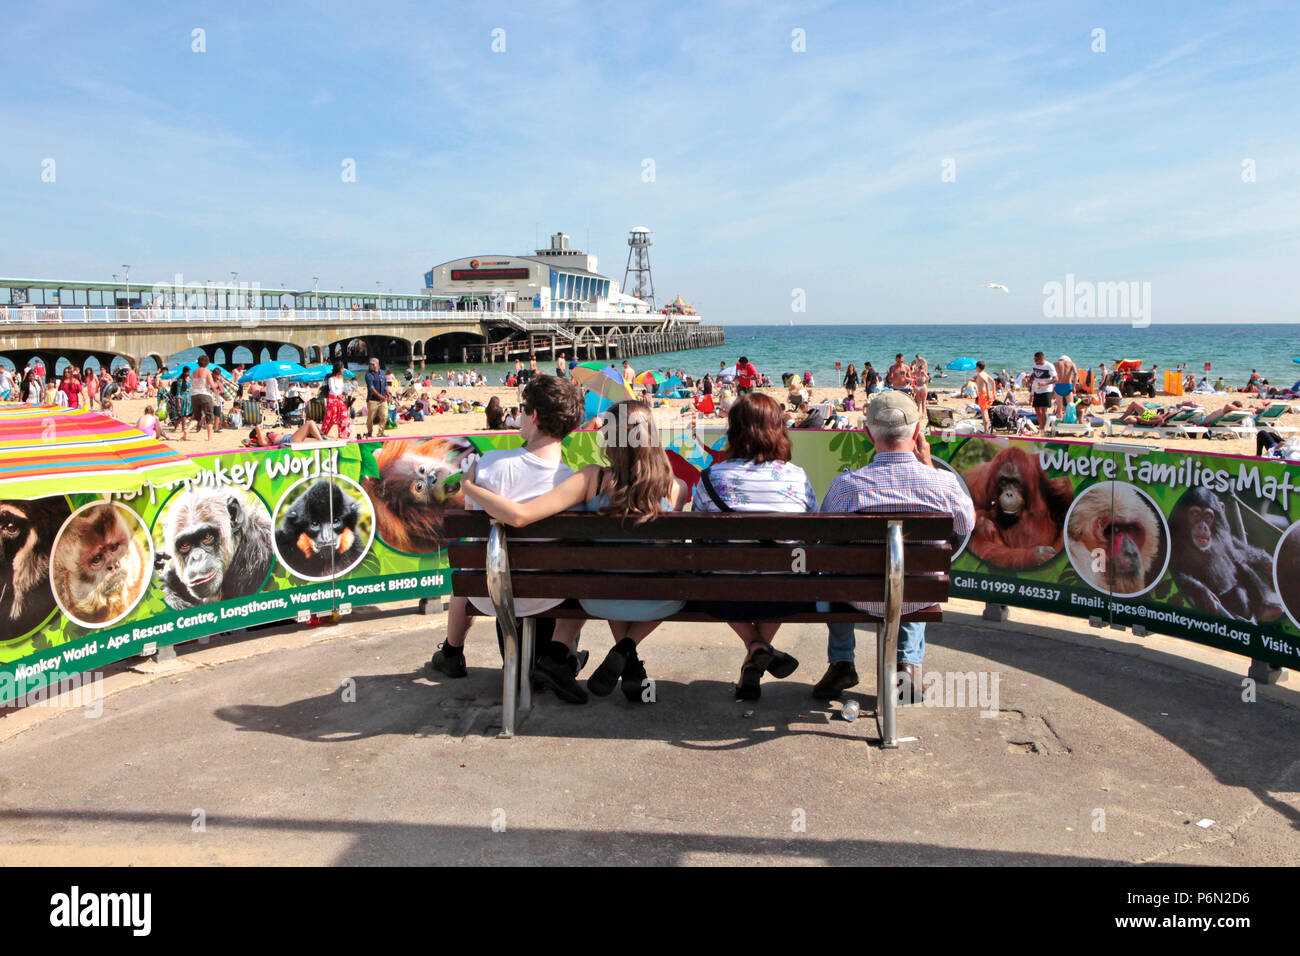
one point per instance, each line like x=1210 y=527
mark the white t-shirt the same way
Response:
x=1044 y=378
x=273 y=389
x=335 y=383
x=520 y=476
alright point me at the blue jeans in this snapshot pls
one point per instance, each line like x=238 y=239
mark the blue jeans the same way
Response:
x=840 y=642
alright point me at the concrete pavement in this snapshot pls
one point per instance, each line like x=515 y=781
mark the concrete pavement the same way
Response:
x=329 y=746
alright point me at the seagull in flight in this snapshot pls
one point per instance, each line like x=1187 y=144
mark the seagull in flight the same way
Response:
x=994 y=285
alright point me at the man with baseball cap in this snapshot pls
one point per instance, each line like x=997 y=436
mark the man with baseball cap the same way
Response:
x=900 y=477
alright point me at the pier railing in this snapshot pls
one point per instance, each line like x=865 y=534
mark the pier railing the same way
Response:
x=561 y=324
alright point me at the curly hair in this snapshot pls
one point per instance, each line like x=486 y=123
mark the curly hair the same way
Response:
x=756 y=430
x=557 y=402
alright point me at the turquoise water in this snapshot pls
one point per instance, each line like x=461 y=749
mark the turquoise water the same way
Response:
x=1232 y=350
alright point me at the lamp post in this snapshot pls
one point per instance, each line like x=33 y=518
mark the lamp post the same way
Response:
x=128 y=290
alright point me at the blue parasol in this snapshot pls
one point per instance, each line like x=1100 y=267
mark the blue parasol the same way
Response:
x=318 y=373
x=267 y=370
x=962 y=365
x=193 y=367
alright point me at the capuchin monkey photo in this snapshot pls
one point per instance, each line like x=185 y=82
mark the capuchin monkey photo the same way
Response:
x=215 y=545
x=1116 y=544
x=1217 y=570
x=100 y=564
x=27 y=532
x=322 y=533
x=418 y=481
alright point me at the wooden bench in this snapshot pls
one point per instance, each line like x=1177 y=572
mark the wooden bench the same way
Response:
x=833 y=558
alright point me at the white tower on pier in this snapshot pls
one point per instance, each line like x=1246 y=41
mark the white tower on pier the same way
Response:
x=637 y=280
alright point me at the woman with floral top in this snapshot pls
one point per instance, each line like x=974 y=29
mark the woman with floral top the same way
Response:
x=755 y=474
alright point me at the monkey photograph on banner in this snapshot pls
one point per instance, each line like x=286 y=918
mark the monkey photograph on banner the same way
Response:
x=1019 y=510
x=418 y=481
x=1223 y=546
x=27 y=532
x=323 y=527
x=100 y=565
x=1286 y=572
x=211 y=544
x=1117 y=539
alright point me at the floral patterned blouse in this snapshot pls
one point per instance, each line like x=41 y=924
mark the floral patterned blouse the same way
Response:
x=757 y=486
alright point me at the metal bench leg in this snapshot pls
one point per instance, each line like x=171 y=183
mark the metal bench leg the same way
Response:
x=503 y=603
x=526 y=666
x=887 y=639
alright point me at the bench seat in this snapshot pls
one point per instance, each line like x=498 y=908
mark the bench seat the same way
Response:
x=885 y=559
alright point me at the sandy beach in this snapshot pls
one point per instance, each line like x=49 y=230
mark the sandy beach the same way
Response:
x=670 y=413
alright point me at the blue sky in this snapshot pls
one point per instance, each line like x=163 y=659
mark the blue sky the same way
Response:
x=774 y=170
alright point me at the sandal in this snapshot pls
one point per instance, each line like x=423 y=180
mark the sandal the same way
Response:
x=783 y=664
x=759 y=659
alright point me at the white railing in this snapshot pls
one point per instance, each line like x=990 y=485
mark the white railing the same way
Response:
x=36 y=315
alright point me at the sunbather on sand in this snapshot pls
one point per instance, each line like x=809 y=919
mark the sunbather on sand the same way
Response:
x=1139 y=414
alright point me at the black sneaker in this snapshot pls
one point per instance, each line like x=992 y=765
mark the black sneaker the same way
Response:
x=558 y=676
x=634 y=679
x=578 y=660
x=453 y=665
x=601 y=683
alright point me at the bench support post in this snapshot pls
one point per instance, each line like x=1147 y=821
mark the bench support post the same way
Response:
x=529 y=651
x=887 y=639
x=503 y=603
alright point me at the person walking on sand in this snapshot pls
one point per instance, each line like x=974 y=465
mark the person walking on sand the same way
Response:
x=1042 y=379
x=203 y=392
x=1067 y=373
x=985 y=390
x=376 y=400
x=899 y=375
x=920 y=379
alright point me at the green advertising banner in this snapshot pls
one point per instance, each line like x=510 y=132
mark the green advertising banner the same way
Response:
x=1198 y=546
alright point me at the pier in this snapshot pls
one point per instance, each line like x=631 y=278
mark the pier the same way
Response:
x=320 y=335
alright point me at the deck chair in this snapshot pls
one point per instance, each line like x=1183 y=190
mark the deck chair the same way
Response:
x=1069 y=428
x=1268 y=418
x=939 y=417
x=1234 y=424
x=316 y=410
x=250 y=409
x=1186 y=424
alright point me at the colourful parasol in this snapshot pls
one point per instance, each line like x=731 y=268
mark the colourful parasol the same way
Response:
x=650 y=378
x=606 y=383
x=48 y=450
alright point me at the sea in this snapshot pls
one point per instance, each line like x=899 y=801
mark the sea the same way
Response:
x=1232 y=350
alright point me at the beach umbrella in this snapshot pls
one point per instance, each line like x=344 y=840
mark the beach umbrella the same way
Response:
x=50 y=450
x=175 y=370
x=650 y=378
x=1296 y=360
x=607 y=383
x=267 y=370
x=962 y=365
x=318 y=373
x=593 y=405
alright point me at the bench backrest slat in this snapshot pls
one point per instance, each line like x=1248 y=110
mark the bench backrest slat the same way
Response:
x=703 y=556
x=736 y=526
x=703 y=587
